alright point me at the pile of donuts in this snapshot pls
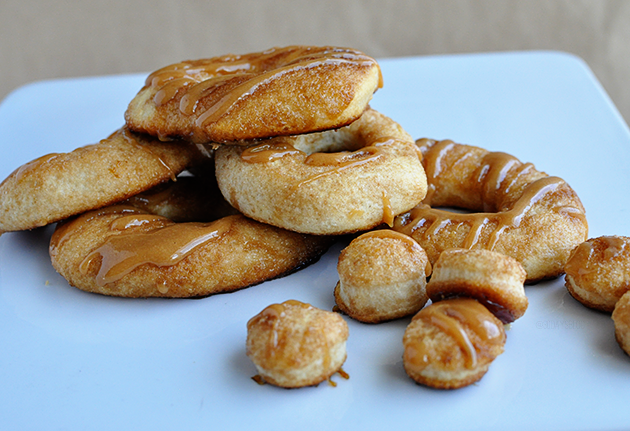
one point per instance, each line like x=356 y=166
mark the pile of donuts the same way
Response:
x=238 y=169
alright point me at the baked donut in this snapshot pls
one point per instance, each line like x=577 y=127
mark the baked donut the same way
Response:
x=124 y=251
x=526 y=214
x=621 y=319
x=339 y=181
x=294 y=344
x=451 y=344
x=494 y=279
x=57 y=186
x=382 y=276
x=281 y=91
x=598 y=272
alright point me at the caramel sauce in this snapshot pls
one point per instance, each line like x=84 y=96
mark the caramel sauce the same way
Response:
x=34 y=164
x=585 y=257
x=388 y=213
x=242 y=73
x=148 y=239
x=456 y=317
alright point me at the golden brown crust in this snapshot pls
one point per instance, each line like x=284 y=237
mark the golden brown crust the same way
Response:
x=451 y=344
x=597 y=272
x=124 y=251
x=281 y=91
x=528 y=215
x=335 y=182
x=294 y=344
x=57 y=186
x=382 y=276
x=493 y=279
x=621 y=319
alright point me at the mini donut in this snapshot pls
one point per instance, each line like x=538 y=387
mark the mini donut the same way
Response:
x=124 y=251
x=342 y=181
x=382 y=276
x=526 y=214
x=598 y=272
x=294 y=344
x=494 y=279
x=621 y=319
x=451 y=344
x=57 y=186
x=281 y=91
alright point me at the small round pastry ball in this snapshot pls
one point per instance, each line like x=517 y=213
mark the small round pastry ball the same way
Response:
x=382 y=276
x=451 y=344
x=294 y=344
x=598 y=272
x=494 y=279
x=621 y=317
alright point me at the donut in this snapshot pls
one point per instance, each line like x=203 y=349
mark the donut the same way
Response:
x=621 y=319
x=124 y=251
x=281 y=91
x=382 y=276
x=451 y=344
x=59 y=185
x=598 y=272
x=335 y=182
x=524 y=213
x=294 y=344
x=494 y=279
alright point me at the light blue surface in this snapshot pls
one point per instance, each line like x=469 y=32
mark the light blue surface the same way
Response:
x=75 y=361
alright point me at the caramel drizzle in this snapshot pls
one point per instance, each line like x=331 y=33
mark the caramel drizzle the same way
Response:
x=163 y=246
x=200 y=77
x=584 y=258
x=26 y=168
x=454 y=317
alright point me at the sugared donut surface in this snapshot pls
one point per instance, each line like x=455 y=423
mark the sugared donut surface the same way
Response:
x=59 y=185
x=598 y=271
x=124 y=251
x=382 y=276
x=621 y=319
x=535 y=218
x=451 y=344
x=294 y=344
x=494 y=279
x=340 y=181
x=281 y=91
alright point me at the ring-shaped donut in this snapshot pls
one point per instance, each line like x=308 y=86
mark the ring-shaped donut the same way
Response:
x=59 y=185
x=535 y=218
x=281 y=91
x=333 y=182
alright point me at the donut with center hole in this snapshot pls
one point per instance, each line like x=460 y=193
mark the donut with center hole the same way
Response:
x=535 y=218
x=334 y=182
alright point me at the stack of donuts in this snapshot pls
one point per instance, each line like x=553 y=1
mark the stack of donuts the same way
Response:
x=237 y=169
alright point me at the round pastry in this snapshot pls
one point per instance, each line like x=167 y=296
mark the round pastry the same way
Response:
x=526 y=214
x=621 y=318
x=282 y=91
x=347 y=180
x=382 y=276
x=294 y=344
x=57 y=186
x=493 y=279
x=598 y=272
x=451 y=344
x=124 y=251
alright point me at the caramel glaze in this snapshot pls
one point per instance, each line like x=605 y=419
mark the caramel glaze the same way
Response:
x=138 y=239
x=242 y=74
x=587 y=256
x=458 y=318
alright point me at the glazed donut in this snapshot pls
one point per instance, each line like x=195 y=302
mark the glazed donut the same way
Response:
x=341 y=181
x=124 y=251
x=534 y=218
x=621 y=319
x=382 y=276
x=294 y=344
x=57 y=186
x=282 y=91
x=494 y=279
x=597 y=272
x=451 y=344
